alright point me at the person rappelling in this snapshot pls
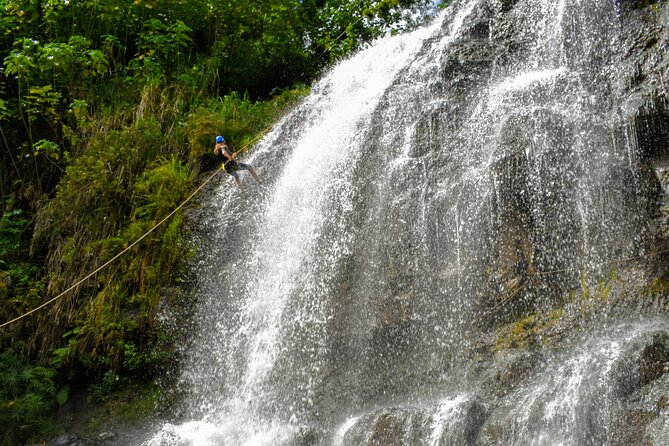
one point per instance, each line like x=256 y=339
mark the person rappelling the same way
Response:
x=227 y=158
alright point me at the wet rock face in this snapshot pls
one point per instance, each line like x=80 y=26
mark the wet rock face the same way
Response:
x=654 y=358
x=402 y=426
x=611 y=392
x=644 y=43
x=643 y=364
x=631 y=82
x=506 y=5
x=66 y=440
x=567 y=137
x=645 y=100
x=652 y=131
x=529 y=149
x=642 y=384
x=510 y=370
x=632 y=5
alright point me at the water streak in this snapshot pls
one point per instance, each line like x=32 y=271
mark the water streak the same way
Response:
x=475 y=170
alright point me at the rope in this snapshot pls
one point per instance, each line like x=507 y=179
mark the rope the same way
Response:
x=110 y=261
x=129 y=247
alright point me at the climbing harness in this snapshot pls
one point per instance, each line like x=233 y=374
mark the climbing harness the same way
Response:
x=129 y=247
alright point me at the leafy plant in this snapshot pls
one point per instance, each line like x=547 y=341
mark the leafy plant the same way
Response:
x=12 y=225
x=105 y=128
x=27 y=395
x=107 y=385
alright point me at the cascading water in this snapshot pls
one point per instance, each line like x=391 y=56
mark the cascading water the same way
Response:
x=431 y=187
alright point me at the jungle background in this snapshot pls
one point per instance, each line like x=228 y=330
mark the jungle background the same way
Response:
x=108 y=111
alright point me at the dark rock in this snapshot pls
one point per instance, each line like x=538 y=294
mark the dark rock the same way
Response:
x=630 y=5
x=646 y=417
x=451 y=422
x=66 y=440
x=383 y=427
x=635 y=425
x=390 y=429
x=510 y=370
x=653 y=358
x=642 y=364
x=652 y=131
x=107 y=438
x=479 y=29
x=307 y=436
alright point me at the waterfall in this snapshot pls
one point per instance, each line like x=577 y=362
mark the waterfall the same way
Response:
x=577 y=399
x=431 y=187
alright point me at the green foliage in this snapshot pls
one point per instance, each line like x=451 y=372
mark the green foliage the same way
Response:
x=238 y=117
x=109 y=383
x=19 y=286
x=62 y=395
x=62 y=355
x=112 y=195
x=107 y=114
x=21 y=62
x=133 y=402
x=159 y=189
x=47 y=148
x=348 y=24
x=444 y=4
x=163 y=42
x=12 y=225
x=27 y=396
x=4 y=111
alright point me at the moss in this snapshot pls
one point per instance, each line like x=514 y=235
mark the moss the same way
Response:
x=641 y=4
x=529 y=331
x=594 y=298
x=659 y=286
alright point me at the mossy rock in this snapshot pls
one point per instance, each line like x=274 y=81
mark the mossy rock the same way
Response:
x=529 y=332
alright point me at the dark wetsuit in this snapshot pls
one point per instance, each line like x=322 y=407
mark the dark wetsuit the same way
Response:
x=232 y=166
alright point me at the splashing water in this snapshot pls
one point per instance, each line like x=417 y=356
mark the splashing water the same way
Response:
x=286 y=279
x=482 y=164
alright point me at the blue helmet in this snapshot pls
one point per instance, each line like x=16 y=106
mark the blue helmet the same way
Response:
x=219 y=138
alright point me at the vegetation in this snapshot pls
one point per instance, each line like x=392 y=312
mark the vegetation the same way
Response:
x=107 y=113
x=538 y=328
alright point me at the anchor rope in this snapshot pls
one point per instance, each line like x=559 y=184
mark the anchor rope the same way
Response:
x=129 y=247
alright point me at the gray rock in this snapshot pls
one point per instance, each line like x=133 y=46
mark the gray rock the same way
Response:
x=66 y=440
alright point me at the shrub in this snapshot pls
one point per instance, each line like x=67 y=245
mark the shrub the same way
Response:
x=27 y=398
